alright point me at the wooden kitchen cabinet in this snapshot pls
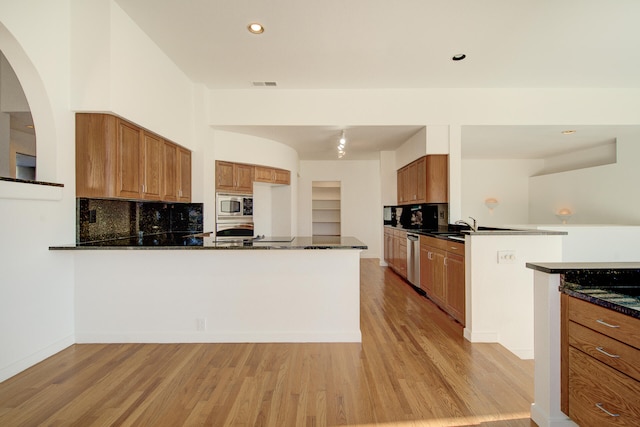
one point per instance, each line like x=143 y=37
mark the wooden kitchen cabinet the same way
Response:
x=235 y=177
x=395 y=250
x=442 y=274
x=176 y=173
x=388 y=246
x=272 y=175
x=129 y=160
x=184 y=175
x=117 y=159
x=152 y=166
x=400 y=252
x=424 y=181
x=600 y=364
x=170 y=164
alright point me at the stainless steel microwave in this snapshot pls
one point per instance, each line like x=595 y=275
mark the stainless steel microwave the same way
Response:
x=234 y=207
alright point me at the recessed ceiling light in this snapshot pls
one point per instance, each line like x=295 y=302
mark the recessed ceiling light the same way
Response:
x=459 y=57
x=568 y=132
x=255 y=28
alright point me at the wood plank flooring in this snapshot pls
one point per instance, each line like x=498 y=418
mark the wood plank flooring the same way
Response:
x=413 y=368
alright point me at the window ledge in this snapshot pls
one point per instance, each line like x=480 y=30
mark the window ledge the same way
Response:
x=11 y=188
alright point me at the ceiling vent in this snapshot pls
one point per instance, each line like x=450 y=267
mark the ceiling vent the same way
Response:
x=267 y=84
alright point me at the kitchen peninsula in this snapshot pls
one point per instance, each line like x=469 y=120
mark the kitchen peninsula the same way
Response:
x=586 y=344
x=302 y=289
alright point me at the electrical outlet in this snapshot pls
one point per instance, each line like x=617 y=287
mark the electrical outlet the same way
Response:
x=201 y=323
x=507 y=257
x=92 y=216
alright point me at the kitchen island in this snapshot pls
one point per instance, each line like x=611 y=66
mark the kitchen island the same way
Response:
x=607 y=293
x=306 y=289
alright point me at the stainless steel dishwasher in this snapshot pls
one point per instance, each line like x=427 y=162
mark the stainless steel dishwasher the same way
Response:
x=413 y=259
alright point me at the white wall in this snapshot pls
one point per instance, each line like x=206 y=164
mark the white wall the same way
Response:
x=505 y=180
x=361 y=206
x=275 y=207
x=499 y=297
x=36 y=290
x=412 y=149
x=599 y=195
x=102 y=47
x=598 y=243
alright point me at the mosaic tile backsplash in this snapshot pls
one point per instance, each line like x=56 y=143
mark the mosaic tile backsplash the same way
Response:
x=101 y=219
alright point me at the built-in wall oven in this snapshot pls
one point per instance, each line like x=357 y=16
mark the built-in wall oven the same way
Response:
x=234 y=215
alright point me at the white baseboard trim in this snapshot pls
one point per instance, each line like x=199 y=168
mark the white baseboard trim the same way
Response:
x=543 y=419
x=481 y=336
x=216 y=337
x=522 y=353
x=37 y=357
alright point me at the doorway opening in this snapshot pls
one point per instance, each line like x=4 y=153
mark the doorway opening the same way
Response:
x=325 y=205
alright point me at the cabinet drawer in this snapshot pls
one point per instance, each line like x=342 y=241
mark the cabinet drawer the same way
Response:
x=619 y=356
x=444 y=244
x=595 y=387
x=608 y=322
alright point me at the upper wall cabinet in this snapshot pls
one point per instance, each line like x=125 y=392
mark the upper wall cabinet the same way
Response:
x=177 y=173
x=239 y=177
x=117 y=159
x=424 y=180
x=272 y=175
x=236 y=177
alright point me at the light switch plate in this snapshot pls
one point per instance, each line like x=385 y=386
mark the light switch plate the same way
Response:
x=507 y=257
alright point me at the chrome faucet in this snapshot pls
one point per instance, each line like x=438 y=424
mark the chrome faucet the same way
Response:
x=473 y=227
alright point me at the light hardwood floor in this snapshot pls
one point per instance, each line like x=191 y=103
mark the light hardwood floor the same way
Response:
x=413 y=368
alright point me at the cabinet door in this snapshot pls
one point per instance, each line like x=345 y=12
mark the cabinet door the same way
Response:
x=455 y=291
x=421 y=180
x=426 y=269
x=96 y=145
x=264 y=174
x=153 y=149
x=244 y=178
x=437 y=179
x=411 y=184
x=439 y=277
x=129 y=159
x=170 y=165
x=402 y=186
x=388 y=238
x=224 y=176
x=402 y=256
x=282 y=176
x=184 y=175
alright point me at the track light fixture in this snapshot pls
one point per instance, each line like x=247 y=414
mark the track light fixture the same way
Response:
x=341 y=145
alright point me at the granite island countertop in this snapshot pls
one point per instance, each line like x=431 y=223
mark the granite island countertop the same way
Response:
x=613 y=285
x=458 y=233
x=200 y=241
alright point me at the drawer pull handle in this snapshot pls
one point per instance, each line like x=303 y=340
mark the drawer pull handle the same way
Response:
x=609 y=325
x=602 y=350
x=599 y=406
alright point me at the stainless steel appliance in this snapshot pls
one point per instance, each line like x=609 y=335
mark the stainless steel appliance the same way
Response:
x=234 y=230
x=234 y=216
x=234 y=207
x=413 y=259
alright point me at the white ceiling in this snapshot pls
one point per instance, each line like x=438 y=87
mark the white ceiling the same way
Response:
x=401 y=44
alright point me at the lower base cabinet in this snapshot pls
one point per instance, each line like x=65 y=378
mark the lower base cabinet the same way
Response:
x=600 y=365
x=442 y=274
x=395 y=250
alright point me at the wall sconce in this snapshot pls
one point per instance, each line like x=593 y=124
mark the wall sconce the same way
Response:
x=491 y=203
x=564 y=214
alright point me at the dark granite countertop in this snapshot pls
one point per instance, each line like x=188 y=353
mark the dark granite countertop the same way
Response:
x=458 y=233
x=200 y=241
x=614 y=285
